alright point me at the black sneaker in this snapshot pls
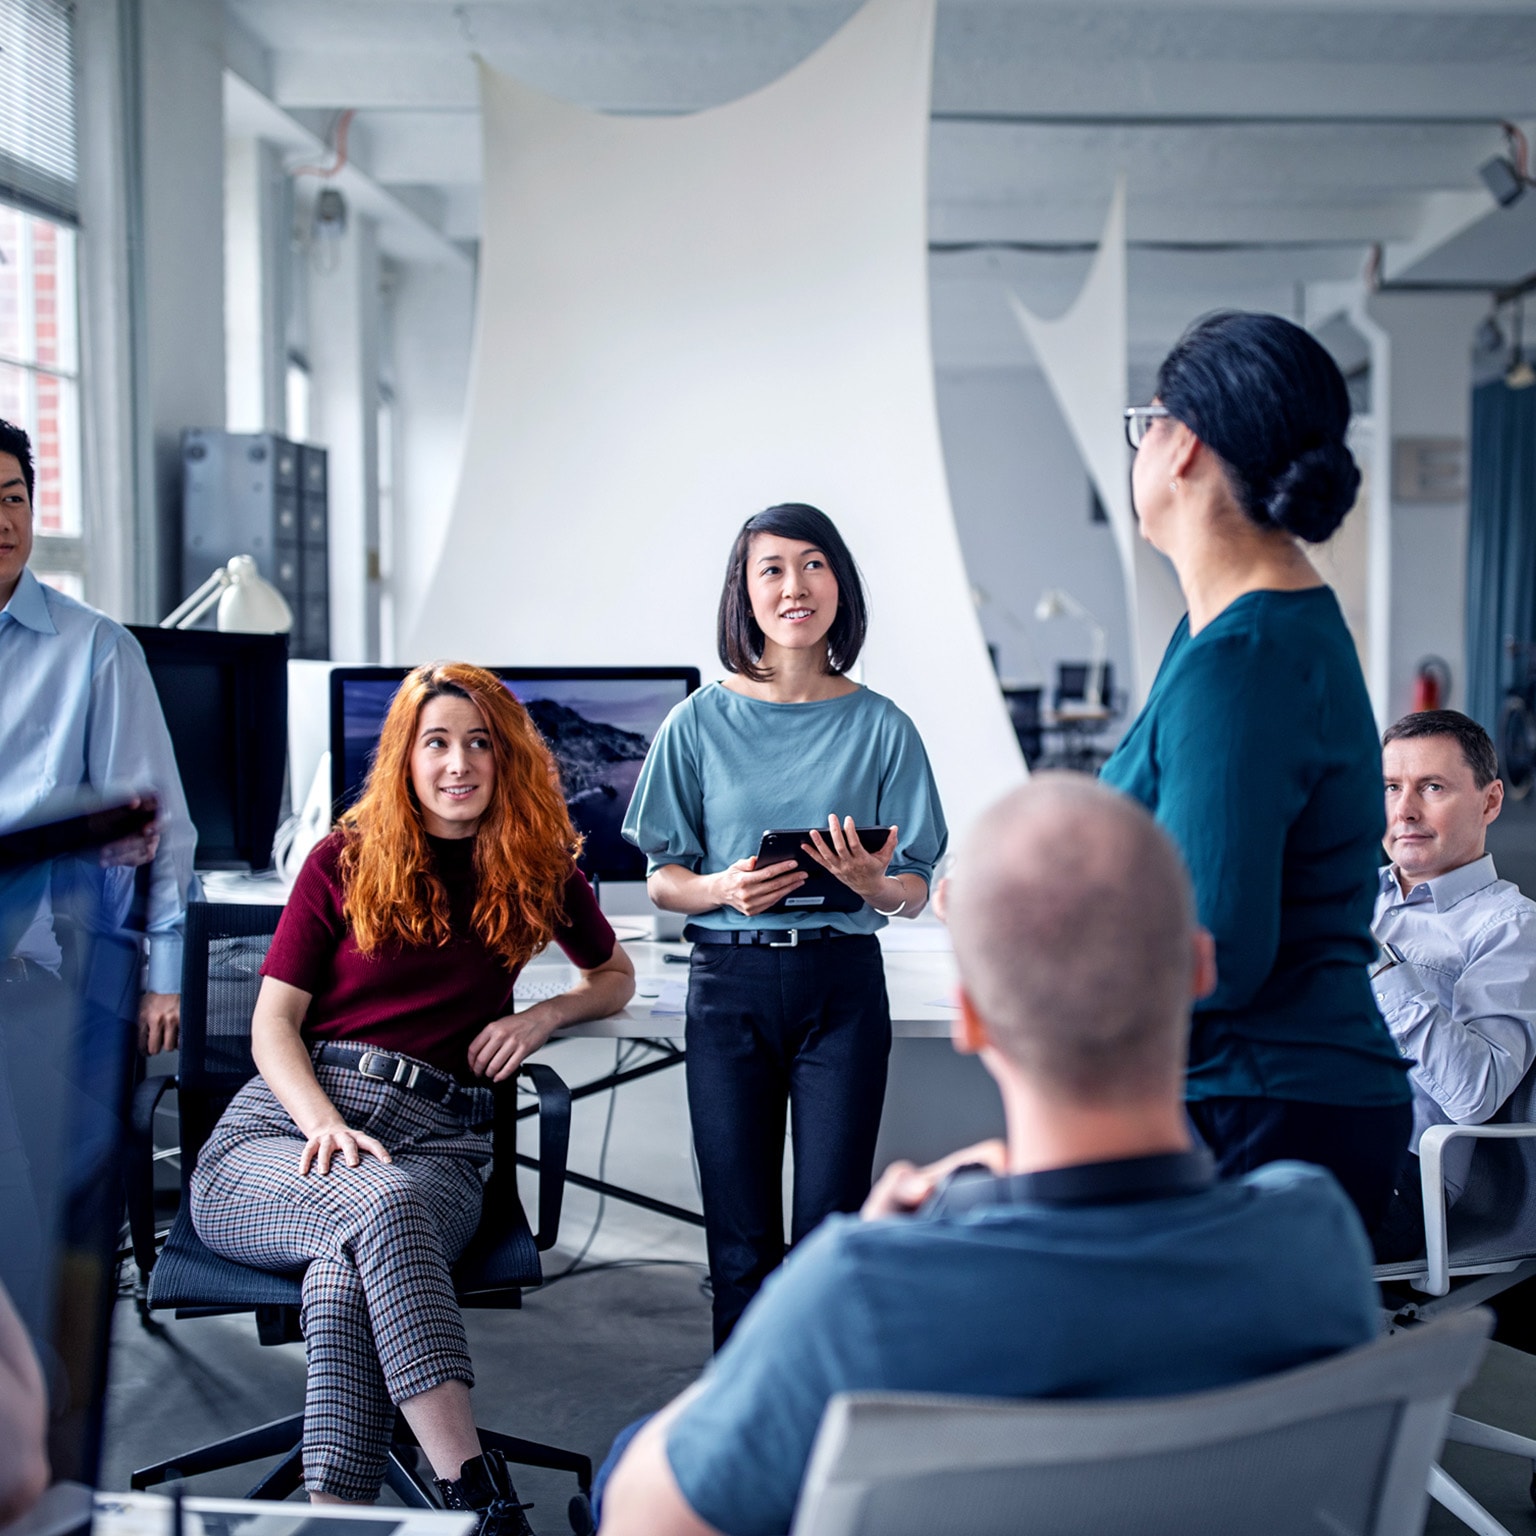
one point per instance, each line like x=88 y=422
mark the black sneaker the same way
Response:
x=483 y=1485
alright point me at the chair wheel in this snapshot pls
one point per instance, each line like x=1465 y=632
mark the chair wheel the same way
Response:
x=579 y=1512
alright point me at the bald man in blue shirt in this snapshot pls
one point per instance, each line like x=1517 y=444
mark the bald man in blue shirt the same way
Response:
x=1091 y=1255
x=78 y=710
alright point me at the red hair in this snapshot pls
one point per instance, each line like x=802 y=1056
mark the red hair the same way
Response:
x=524 y=846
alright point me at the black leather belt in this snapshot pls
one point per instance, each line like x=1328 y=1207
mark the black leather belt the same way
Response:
x=413 y=1076
x=769 y=938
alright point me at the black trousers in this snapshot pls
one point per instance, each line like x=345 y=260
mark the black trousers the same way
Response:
x=805 y=1031
x=1361 y=1146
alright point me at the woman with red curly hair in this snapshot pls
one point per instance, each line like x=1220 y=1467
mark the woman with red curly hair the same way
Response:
x=385 y=1011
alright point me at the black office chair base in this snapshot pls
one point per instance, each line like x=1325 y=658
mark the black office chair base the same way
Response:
x=283 y=1437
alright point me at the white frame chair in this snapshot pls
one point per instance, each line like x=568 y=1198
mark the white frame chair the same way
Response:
x=1344 y=1444
x=1486 y=1275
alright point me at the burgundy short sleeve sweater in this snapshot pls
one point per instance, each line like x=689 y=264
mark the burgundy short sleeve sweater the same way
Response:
x=425 y=1001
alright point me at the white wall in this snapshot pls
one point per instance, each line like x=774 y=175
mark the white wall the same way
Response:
x=432 y=313
x=1421 y=381
x=1021 y=499
x=181 y=366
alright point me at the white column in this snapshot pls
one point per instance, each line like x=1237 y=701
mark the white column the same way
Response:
x=434 y=314
x=180 y=373
x=344 y=312
x=254 y=244
x=1421 y=384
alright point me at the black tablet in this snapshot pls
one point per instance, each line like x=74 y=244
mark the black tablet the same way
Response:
x=822 y=892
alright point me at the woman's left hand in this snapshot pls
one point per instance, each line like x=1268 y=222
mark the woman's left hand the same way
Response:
x=505 y=1044
x=841 y=853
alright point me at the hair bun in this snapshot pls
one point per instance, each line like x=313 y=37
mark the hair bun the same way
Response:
x=1311 y=496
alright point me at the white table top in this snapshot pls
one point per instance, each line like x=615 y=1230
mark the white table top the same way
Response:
x=919 y=972
x=920 y=983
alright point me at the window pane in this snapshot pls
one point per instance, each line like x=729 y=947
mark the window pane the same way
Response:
x=46 y=407
x=12 y=228
x=67 y=582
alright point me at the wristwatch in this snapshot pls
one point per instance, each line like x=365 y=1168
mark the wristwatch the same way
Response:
x=1387 y=955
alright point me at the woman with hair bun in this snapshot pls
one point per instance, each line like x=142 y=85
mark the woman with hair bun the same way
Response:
x=1257 y=750
x=384 y=1015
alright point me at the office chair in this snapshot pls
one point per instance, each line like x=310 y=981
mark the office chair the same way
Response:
x=1482 y=1246
x=224 y=948
x=1072 y=683
x=1344 y=1444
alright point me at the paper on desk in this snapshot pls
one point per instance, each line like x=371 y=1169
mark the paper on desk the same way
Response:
x=915 y=938
x=672 y=998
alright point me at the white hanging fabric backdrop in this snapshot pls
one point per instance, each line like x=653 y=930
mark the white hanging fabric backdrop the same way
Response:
x=684 y=320
x=1084 y=356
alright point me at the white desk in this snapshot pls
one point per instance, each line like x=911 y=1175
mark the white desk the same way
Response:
x=920 y=980
x=935 y=1100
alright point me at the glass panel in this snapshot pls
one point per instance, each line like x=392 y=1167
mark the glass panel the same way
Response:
x=67 y=582
x=46 y=406
x=297 y=390
x=12 y=227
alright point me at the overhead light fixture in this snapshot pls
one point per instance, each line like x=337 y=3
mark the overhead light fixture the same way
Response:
x=1490 y=336
x=1502 y=179
x=1508 y=175
x=248 y=603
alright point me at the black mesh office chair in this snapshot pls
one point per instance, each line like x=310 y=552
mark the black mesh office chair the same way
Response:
x=225 y=945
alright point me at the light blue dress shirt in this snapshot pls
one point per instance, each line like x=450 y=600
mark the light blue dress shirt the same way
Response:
x=1463 y=1005
x=78 y=709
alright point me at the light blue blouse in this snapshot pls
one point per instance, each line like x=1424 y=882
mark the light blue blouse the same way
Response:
x=725 y=768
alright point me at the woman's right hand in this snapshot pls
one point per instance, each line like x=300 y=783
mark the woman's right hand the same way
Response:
x=340 y=1140
x=751 y=890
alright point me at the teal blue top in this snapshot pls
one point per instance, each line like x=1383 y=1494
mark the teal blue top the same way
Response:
x=724 y=769
x=1257 y=751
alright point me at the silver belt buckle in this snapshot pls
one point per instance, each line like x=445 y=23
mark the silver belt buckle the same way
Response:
x=396 y=1068
x=792 y=942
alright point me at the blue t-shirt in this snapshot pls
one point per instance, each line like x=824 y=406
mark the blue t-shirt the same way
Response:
x=1257 y=751
x=725 y=768
x=1029 y=1300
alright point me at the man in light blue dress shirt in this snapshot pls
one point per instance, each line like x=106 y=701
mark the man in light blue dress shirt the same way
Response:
x=1456 y=976
x=78 y=710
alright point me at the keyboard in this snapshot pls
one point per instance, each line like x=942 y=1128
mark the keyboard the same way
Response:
x=540 y=988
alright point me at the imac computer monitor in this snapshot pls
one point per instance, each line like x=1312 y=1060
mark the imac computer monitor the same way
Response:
x=598 y=721
x=225 y=699
x=70 y=921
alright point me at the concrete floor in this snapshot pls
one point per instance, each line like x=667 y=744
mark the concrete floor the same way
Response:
x=583 y=1358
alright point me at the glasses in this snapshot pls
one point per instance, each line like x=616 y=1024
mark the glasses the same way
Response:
x=1138 y=418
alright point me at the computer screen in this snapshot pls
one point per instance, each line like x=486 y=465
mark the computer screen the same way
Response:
x=598 y=721
x=225 y=699
x=68 y=1018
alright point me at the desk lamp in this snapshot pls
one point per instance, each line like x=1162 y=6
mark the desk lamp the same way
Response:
x=1053 y=604
x=248 y=603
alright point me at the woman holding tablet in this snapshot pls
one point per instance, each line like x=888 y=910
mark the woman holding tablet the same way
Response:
x=787 y=1007
x=1257 y=750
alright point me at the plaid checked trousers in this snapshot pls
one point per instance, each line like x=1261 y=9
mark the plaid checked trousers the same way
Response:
x=380 y=1318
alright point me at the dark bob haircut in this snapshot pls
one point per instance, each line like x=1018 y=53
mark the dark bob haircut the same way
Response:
x=1475 y=743
x=1269 y=401
x=16 y=443
x=738 y=636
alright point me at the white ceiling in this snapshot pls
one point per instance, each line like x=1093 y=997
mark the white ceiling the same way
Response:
x=1267 y=146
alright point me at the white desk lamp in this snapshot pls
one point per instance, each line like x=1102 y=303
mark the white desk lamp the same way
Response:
x=248 y=603
x=1052 y=605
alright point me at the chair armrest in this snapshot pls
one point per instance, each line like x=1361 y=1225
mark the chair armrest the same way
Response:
x=139 y=1171
x=1432 y=1145
x=554 y=1144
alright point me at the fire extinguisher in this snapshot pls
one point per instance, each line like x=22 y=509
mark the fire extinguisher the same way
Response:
x=1431 y=684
